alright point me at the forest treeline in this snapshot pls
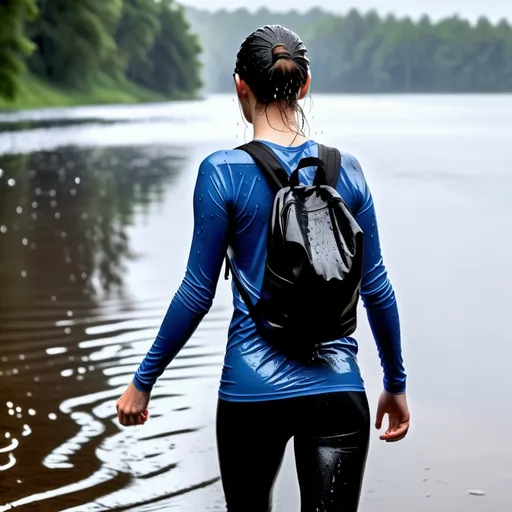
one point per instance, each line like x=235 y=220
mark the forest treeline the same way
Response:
x=368 y=53
x=150 y=47
x=76 y=44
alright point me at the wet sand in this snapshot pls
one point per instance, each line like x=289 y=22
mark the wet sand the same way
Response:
x=95 y=225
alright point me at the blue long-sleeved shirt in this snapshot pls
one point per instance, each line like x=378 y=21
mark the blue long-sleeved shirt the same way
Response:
x=232 y=196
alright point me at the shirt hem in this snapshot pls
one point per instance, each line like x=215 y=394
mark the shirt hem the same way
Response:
x=228 y=397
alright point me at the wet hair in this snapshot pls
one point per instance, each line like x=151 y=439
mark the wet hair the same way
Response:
x=273 y=62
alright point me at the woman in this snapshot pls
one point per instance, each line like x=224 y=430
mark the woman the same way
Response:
x=265 y=396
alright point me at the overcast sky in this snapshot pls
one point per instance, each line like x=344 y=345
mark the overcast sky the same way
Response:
x=494 y=9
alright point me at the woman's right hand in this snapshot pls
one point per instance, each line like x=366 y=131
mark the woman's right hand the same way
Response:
x=395 y=406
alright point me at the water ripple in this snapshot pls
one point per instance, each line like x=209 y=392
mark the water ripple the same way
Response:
x=70 y=346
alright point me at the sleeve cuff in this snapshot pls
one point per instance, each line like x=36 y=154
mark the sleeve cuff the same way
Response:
x=141 y=386
x=395 y=388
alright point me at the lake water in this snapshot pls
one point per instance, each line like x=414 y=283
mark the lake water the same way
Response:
x=95 y=227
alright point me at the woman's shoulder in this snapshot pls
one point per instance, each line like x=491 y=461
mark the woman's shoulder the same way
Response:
x=350 y=162
x=222 y=157
x=352 y=183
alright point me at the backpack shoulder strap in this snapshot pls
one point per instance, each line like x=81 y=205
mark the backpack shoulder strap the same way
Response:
x=277 y=178
x=266 y=160
x=332 y=160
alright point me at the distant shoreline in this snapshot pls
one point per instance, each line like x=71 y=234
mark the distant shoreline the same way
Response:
x=8 y=124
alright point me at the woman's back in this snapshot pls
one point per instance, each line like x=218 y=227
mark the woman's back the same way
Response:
x=234 y=203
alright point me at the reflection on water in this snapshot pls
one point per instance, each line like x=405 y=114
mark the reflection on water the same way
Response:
x=71 y=337
x=65 y=214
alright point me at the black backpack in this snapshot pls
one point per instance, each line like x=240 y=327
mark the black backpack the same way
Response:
x=314 y=260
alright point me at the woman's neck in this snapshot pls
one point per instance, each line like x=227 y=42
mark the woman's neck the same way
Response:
x=278 y=126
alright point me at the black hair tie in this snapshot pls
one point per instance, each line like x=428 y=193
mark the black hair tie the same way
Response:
x=281 y=55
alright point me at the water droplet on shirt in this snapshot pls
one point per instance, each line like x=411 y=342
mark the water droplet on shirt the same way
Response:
x=3 y=229
x=19 y=210
x=77 y=181
x=11 y=182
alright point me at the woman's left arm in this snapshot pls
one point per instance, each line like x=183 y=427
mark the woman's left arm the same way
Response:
x=195 y=295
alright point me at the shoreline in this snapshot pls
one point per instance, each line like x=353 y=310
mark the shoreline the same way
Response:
x=38 y=94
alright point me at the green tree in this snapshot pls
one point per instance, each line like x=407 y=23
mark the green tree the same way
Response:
x=74 y=39
x=174 y=57
x=136 y=34
x=367 y=53
x=504 y=55
x=14 y=45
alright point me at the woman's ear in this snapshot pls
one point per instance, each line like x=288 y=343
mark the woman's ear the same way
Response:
x=241 y=87
x=305 y=88
x=244 y=97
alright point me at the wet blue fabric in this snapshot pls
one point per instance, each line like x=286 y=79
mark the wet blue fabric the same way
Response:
x=232 y=201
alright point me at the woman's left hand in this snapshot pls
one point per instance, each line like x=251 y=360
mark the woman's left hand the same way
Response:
x=132 y=407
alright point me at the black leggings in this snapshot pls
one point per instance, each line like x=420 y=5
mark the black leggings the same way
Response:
x=331 y=435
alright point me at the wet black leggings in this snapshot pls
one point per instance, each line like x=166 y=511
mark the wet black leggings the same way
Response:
x=331 y=435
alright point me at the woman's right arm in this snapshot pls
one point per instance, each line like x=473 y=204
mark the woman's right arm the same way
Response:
x=377 y=292
x=382 y=310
